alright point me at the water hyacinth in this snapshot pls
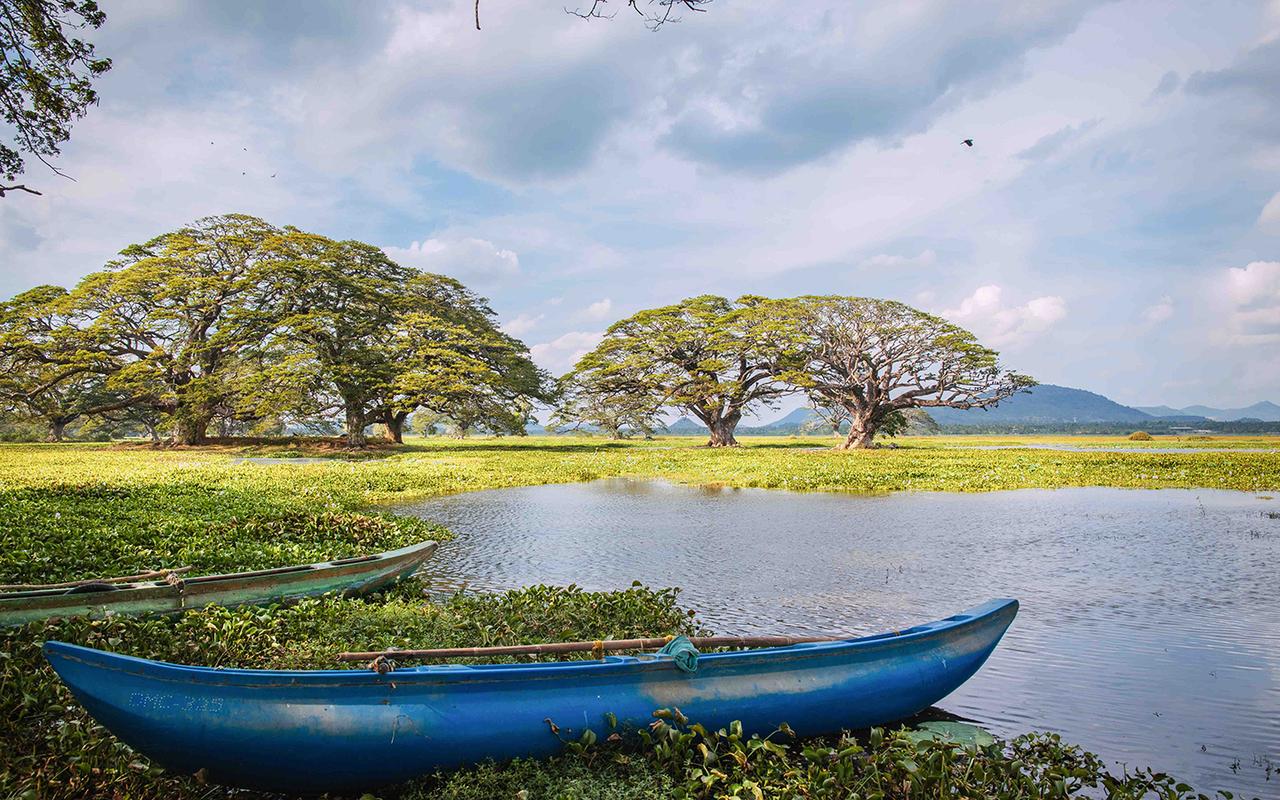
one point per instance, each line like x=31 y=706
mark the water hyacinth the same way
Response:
x=59 y=752
x=76 y=511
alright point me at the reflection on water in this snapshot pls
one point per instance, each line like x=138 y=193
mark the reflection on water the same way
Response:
x=1150 y=623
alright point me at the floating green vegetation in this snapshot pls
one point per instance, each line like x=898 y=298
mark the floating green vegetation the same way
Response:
x=53 y=749
x=180 y=482
x=887 y=765
x=77 y=511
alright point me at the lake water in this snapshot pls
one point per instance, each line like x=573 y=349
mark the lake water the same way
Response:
x=1150 y=622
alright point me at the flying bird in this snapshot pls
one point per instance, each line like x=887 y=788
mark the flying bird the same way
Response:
x=967 y=142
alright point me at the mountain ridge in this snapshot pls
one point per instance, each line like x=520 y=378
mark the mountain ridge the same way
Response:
x=1043 y=406
x=1264 y=410
x=1045 y=403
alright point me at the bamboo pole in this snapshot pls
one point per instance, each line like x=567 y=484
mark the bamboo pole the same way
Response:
x=141 y=576
x=580 y=647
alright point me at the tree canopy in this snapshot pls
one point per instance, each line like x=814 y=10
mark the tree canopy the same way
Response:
x=708 y=356
x=332 y=307
x=585 y=404
x=876 y=359
x=866 y=365
x=48 y=371
x=165 y=313
x=234 y=320
x=46 y=78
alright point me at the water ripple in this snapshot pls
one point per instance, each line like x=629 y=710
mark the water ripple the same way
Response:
x=1150 y=629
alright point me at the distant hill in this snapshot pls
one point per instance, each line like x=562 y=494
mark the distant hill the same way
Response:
x=685 y=426
x=791 y=422
x=1160 y=411
x=1265 y=411
x=1042 y=405
x=1045 y=409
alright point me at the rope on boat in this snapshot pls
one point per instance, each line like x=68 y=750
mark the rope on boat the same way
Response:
x=382 y=665
x=683 y=654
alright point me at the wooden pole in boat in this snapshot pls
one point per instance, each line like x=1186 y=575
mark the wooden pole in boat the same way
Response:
x=581 y=647
x=141 y=576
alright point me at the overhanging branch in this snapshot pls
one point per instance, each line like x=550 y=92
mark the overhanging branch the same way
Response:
x=17 y=188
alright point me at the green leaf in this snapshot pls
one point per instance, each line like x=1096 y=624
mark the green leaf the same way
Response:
x=957 y=732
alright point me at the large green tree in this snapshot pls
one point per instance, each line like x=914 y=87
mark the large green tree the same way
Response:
x=48 y=371
x=454 y=361
x=166 y=311
x=876 y=359
x=583 y=402
x=46 y=78
x=332 y=306
x=708 y=356
x=357 y=334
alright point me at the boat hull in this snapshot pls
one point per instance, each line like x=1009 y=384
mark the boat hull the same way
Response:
x=345 y=730
x=352 y=575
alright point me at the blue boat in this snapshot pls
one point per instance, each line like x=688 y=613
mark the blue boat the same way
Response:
x=349 y=730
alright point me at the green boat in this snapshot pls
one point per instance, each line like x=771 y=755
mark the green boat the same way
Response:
x=173 y=594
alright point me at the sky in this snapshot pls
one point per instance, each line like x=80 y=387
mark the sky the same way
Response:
x=1115 y=225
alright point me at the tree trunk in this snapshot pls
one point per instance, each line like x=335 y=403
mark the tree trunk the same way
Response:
x=355 y=427
x=152 y=431
x=861 y=432
x=56 y=429
x=191 y=430
x=722 y=433
x=395 y=425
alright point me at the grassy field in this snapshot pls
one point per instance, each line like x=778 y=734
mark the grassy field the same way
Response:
x=77 y=510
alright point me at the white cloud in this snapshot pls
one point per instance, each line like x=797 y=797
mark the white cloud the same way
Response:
x=926 y=258
x=999 y=324
x=1273 y=20
x=1254 y=292
x=1159 y=311
x=1257 y=283
x=560 y=354
x=428 y=129
x=522 y=324
x=464 y=259
x=599 y=309
x=1269 y=219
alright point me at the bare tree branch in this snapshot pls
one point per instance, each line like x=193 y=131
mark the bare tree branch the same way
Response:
x=17 y=188
x=591 y=13
x=652 y=19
